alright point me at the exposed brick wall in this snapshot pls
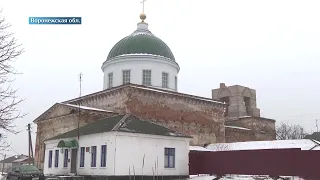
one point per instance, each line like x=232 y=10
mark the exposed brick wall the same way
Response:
x=201 y=119
x=113 y=100
x=264 y=129
x=239 y=135
x=172 y=109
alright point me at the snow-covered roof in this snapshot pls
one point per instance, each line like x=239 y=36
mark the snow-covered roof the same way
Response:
x=175 y=93
x=237 y=127
x=13 y=158
x=73 y=106
x=198 y=148
x=21 y=160
x=245 y=116
x=304 y=144
x=85 y=107
x=153 y=89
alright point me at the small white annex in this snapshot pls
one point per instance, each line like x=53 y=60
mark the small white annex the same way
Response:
x=121 y=145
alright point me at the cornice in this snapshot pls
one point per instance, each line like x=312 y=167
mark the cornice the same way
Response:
x=151 y=90
x=140 y=57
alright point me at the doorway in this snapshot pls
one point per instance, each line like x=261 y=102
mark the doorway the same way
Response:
x=74 y=153
x=247 y=102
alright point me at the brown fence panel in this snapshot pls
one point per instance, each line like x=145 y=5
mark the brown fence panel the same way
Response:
x=284 y=162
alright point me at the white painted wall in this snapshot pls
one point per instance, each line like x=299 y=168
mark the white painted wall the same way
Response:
x=52 y=145
x=129 y=152
x=137 y=63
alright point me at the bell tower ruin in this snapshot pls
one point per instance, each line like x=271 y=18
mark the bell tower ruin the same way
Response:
x=241 y=100
x=242 y=117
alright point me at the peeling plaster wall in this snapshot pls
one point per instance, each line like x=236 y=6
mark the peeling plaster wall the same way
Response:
x=202 y=119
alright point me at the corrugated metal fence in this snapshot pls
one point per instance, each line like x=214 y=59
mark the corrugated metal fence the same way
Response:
x=275 y=162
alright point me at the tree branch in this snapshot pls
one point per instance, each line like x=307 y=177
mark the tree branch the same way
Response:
x=9 y=51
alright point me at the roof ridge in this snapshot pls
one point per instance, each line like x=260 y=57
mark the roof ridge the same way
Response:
x=124 y=118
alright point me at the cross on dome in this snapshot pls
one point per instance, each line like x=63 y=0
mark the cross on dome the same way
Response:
x=143 y=15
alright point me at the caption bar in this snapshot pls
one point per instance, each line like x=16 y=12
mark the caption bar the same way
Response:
x=54 y=20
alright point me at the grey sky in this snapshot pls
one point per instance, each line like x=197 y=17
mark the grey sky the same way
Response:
x=272 y=46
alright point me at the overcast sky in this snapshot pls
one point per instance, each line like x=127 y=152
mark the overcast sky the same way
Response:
x=272 y=46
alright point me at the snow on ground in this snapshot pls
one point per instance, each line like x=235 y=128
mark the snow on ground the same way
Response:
x=304 y=144
x=2 y=177
x=238 y=177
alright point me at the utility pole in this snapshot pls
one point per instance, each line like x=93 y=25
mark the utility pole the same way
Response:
x=30 y=145
x=29 y=129
x=80 y=80
x=3 y=157
x=3 y=163
x=317 y=125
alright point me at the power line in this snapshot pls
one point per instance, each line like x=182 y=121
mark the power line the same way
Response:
x=303 y=115
x=293 y=117
x=11 y=147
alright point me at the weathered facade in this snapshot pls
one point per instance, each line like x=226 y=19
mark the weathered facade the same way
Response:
x=242 y=117
x=145 y=60
x=202 y=118
x=206 y=120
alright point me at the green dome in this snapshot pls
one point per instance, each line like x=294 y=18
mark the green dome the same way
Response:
x=141 y=42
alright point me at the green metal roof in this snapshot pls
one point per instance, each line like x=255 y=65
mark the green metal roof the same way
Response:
x=141 y=42
x=121 y=123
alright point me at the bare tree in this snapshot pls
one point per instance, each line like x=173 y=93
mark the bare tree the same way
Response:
x=9 y=51
x=287 y=131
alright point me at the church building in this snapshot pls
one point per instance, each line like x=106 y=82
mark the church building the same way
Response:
x=141 y=78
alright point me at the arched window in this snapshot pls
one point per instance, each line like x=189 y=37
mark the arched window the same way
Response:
x=225 y=100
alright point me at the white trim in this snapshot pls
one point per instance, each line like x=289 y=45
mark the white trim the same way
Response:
x=141 y=57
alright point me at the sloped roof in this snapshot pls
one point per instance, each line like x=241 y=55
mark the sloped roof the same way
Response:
x=72 y=103
x=121 y=123
x=198 y=148
x=13 y=158
x=150 y=89
x=71 y=106
x=315 y=136
x=22 y=159
x=85 y=107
